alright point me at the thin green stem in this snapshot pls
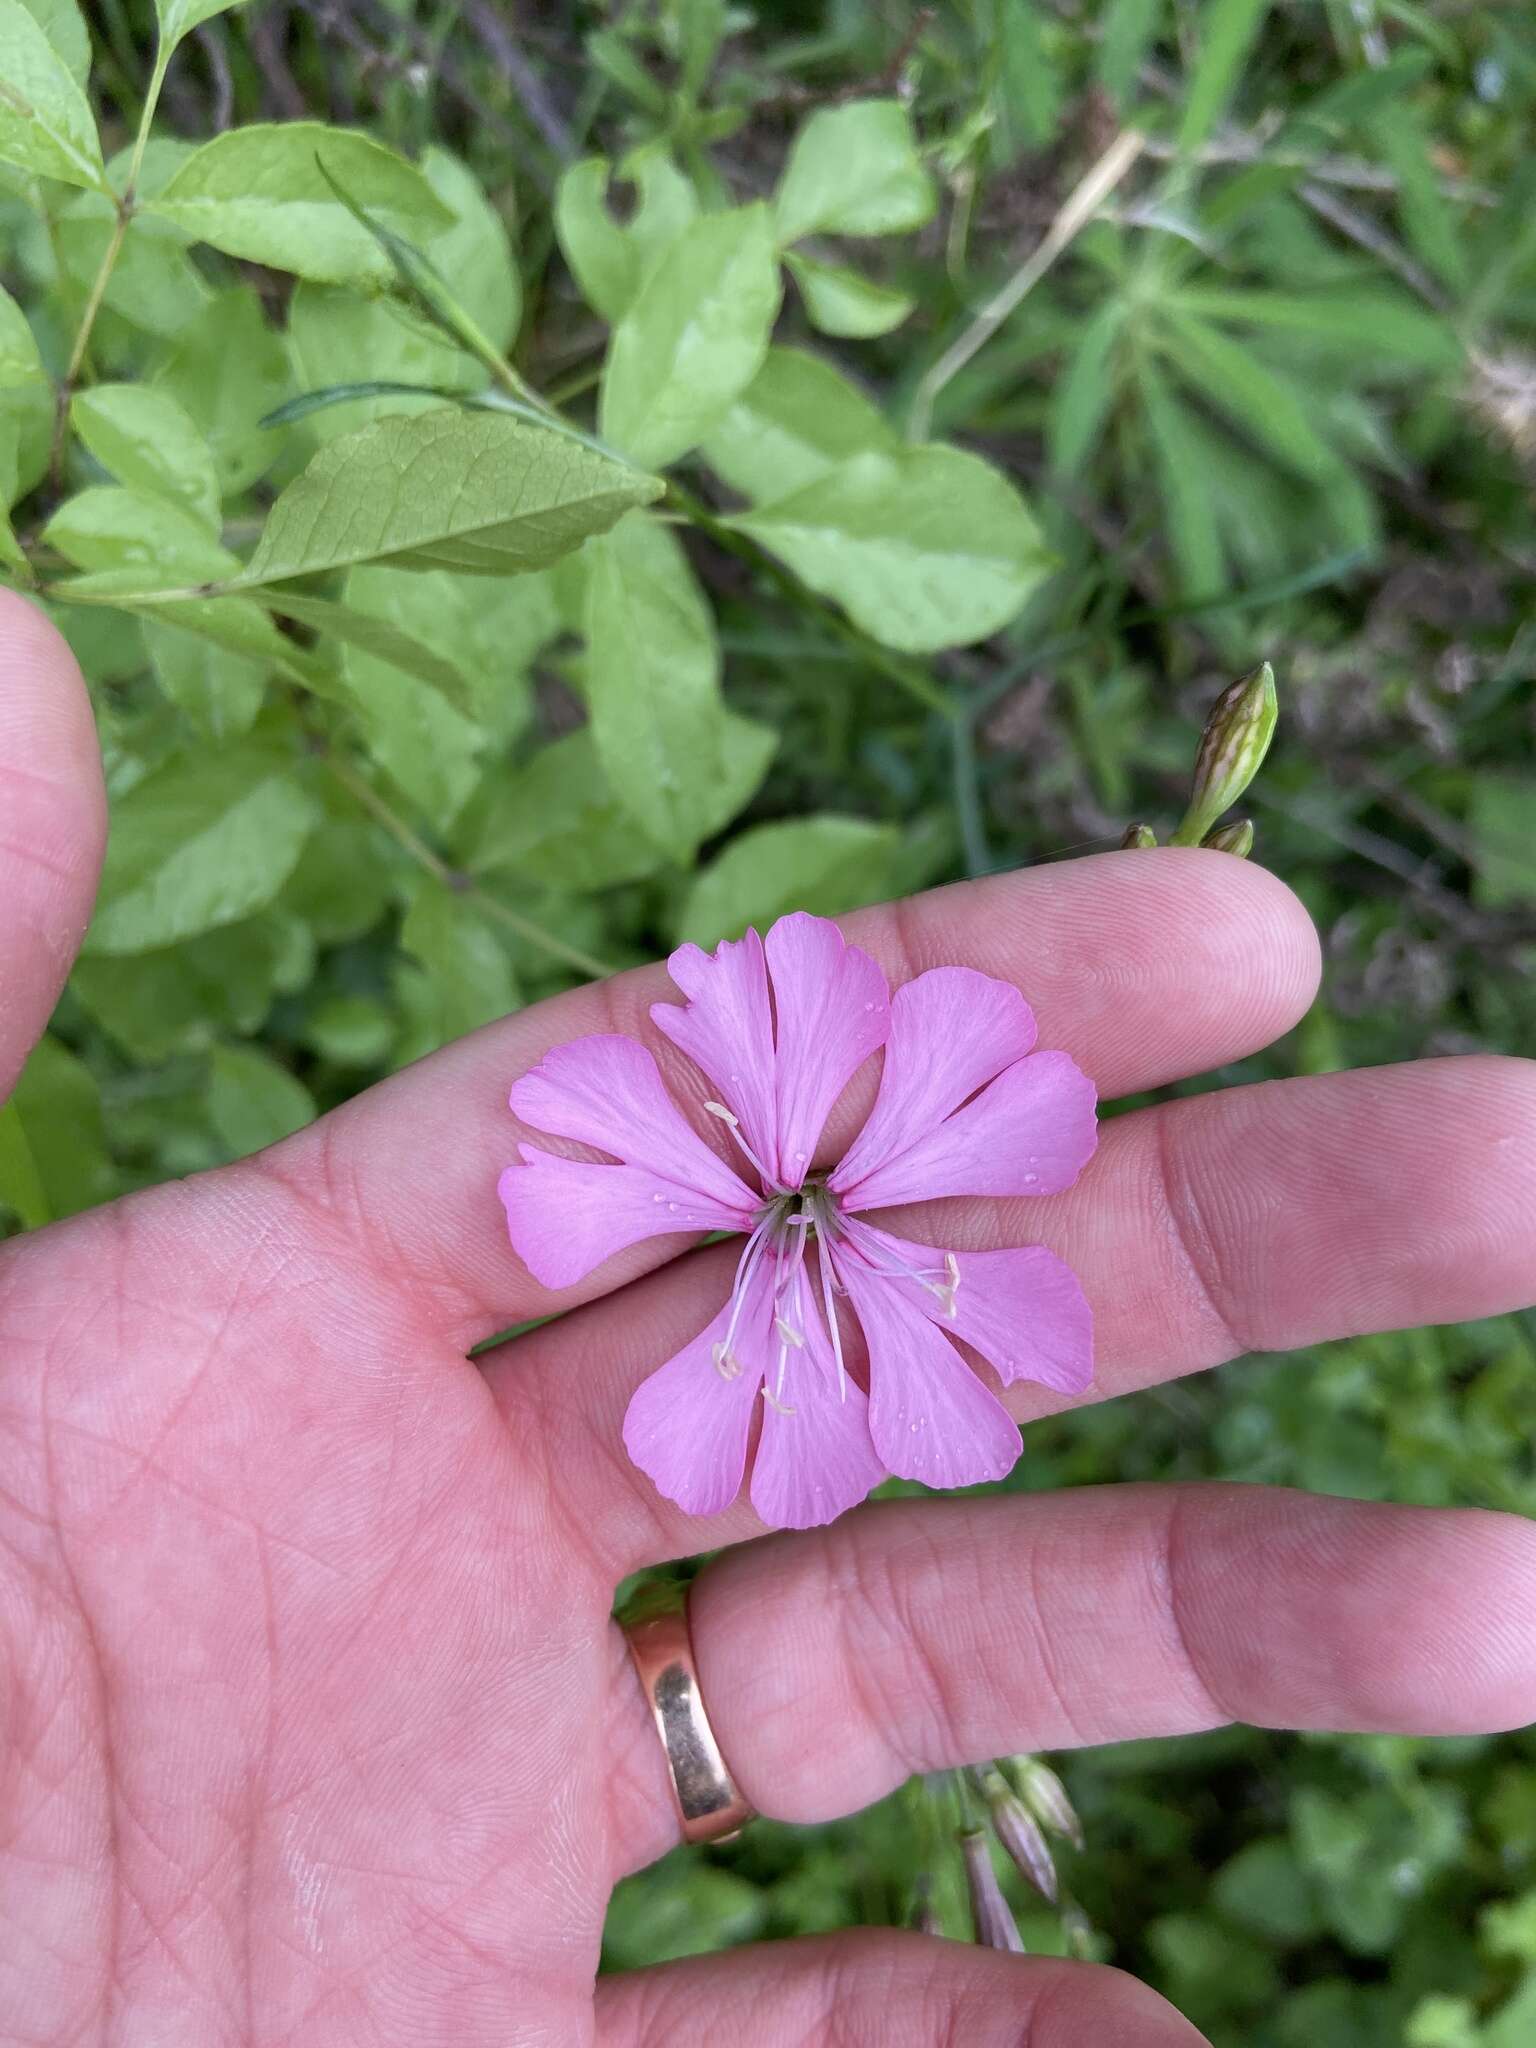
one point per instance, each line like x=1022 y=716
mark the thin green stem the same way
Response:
x=451 y=878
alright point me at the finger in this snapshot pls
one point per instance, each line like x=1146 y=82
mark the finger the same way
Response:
x=1145 y=966
x=1252 y=1219
x=52 y=824
x=915 y=1635
x=883 y=1990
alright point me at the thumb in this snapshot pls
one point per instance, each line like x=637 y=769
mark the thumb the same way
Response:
x=53 y=824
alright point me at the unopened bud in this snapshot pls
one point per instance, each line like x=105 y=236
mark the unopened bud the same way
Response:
x=1236 y=837
x=994 y=1923
x=1079 y=1933
x=1016 y=1828
x=1139 y=835
x=1236 y=739
x=1046 y=1797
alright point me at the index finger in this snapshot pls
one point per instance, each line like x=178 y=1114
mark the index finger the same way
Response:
x=1145 y=966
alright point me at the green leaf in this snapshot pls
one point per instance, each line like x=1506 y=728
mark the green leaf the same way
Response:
x=146 y=538
x=1227 y=31
x=1264 y=1890
x=653 y=682
x=464 y=977
x=260 y=193
x=825 y=864
x=46 y=124
x=1260 y=402
x=375 y=633
x=446 y=489
x=343 y=882
x=228 y=369
x=694 y=338
x=1081 y=401
x=558 y=820
x=1372 y=322
x=221 y=692
x=796 y=420
x=331 y=331
x=180 y=17
x=1193 y=534
x=1130 y=28
x=253 y=1101
x=199 y=843
x=64 y=25
x=237 y=625
x=26 y=410
x=841 y=301
x=1500 y=820
x=854 y=170
x=145 y=439
x=56 y=1160
x=475 y=255
x=610 y=262
x=923 y=547
x=21 y=1184
x=1433 y=232
x=179 y=998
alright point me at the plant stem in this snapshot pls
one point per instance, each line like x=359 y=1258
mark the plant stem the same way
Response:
x=450 y=878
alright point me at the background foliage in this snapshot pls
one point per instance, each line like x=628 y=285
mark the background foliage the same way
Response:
x=1113 y=348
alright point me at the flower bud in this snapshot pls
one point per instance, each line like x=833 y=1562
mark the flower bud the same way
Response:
x=1236 y=739
x=1078 y=1931
x=1139 y=835
x=994 y=1923
x=1046 y=1797
x=1235 y=837
x=1016 y=1828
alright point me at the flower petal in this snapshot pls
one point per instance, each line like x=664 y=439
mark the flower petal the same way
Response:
x=1031 y=1132
x=816 y=1462
x=565 y=1216
x=1022 y=1309
x=726 y=1028
x=607 y=1091
x=833 y=1010
x=686 y=1426
x=952 y=1031
x=930 y=1417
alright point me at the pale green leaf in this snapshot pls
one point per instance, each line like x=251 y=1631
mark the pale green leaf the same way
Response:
x=447 y=489
x=854 y=170
x=152 y=539
x=841 y=301
x=145 y=439
x=178 y=998
x=21 y=367
x=1226 y=31
x=604 y=261
x=558 y=820
x=221 y=692
x=64 y=25
x=260 y=193
x=464 y=976
x=199 y=843
x=228 y=368
x=796 y=420
x=653 y=682
x=180 y=17
x=825 y=864
x=374 y=632
x=694 y=338
x=154 y=283
x=253 y=1101
x=46 y=125
x=924 y=547
x=475 y=254
x=332 y=331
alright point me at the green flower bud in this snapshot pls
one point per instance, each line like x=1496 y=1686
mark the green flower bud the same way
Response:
x=1139 y=835
x=1236 y=837
x=1016 y=1828
x=1236 y=739
x=994 y=1924
x=1079 y=1933
x=1046 y=1797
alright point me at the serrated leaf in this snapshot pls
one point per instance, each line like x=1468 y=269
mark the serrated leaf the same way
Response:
x=825 y=864
x=796 y=420
x=843 y=302
x=228 y=369
x=145 y=439
x=854 y=170
x=46 y=125
x=653 y=682
x=694 y=338
x=558 y=819
x=446 y=489
x=140 y=537
x=253 y=1101
x=200 y=843
x=261 y=193
x=180 y=17
x=924 y=547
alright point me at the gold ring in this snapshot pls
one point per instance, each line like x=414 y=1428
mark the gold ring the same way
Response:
x=709 y=1803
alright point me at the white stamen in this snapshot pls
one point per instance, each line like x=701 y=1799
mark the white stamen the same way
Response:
x=831 y=1308
x=789 y=1333
x=772 y=1403
x=733 y=1125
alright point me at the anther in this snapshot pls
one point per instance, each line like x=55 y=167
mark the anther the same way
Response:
x=772 y=1403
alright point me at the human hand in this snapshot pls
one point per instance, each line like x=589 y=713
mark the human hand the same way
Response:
x=316 y=1729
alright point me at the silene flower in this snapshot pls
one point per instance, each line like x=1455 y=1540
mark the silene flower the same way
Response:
x=965 y=1107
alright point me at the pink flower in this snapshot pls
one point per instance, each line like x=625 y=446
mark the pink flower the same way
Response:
x=965 y=1106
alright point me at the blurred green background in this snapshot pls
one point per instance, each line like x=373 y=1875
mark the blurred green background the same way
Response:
x=1273 y=394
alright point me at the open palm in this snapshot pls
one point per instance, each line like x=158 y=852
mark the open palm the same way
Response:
x=314 y=1727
